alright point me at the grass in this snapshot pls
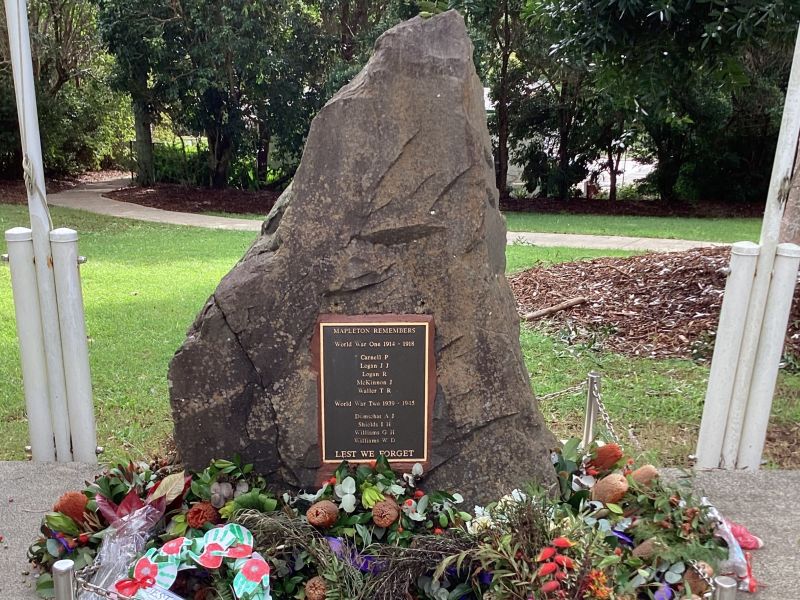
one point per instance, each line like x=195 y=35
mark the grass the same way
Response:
x=523 y=256
x=144 y=284
x=707 y=230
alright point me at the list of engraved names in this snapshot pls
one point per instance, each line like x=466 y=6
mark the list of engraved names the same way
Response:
x=374 y=391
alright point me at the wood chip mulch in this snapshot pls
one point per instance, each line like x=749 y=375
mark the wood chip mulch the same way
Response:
x=182 y=198
x=657 y=305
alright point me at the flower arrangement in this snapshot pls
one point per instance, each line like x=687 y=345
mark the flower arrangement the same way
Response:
x=610 y=531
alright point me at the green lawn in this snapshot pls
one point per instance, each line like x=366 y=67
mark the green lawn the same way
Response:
x=144 y=283
x=709 y=230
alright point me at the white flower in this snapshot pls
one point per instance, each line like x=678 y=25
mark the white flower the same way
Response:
x=480 y=524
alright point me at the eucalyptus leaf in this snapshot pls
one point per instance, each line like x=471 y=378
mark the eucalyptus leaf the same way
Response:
x=672 y=578
x=348 y=503
x=349 y=485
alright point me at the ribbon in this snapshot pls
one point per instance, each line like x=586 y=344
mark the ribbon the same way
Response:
x=130 y=587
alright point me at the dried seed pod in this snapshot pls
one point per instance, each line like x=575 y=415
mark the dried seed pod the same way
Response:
x=645 y=475
x=316 y=588
x=646 y=549
x=606 y=457
x=385 y=512
x=610 y=489
x=323 y=514
x=72 y=504
x=695 y=581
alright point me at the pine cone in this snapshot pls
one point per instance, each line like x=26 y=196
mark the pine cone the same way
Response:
x=385 y=512
x=72 y=504
x=323 y=514
x=606 y=457
x=316 y=588
x=200 y=514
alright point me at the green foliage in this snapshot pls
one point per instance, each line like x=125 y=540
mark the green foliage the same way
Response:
x=83 y=124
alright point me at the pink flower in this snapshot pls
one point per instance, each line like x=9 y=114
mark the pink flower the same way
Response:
x=255 y=569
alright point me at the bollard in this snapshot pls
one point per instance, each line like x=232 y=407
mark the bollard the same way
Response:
x=64 y=580
x=744 y=256
x=31 y=343
x=64 y=244
x=593 y=385
x=768 y=356
x=725 y=588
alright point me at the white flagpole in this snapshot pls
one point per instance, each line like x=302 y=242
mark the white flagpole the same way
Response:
x=20 y=47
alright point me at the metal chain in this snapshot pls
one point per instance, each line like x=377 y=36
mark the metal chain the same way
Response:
x=704 y=576
x=604 y=413
x=82 y=584
x=570 y=390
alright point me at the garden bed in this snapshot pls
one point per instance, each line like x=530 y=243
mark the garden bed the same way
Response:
x=199 y=200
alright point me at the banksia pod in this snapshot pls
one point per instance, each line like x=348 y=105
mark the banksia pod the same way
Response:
x=610 y=489
x=323 y=514
x=202 y=513
x=316 y=588
x=72 y=504
x=645 y=475
x=550 y=586
x=606 y=457
x=385 y=512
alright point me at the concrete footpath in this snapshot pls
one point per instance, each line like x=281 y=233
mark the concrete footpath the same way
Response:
x=766 y=502
x=90 y=197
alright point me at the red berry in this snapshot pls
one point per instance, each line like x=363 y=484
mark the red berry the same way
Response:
x=332 y=480
x=562 y=542
x=409 y=502
x=418 y=494
x=618 y=551
x=438 y=531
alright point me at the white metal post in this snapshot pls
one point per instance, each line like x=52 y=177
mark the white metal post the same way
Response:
x=64 y=580
x=770 y=347
x=780 y=181
x=726 y=354
x=64 y=243
x=31 y=343
x=20 y=51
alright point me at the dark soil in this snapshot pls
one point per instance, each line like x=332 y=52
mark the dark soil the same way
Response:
x=655 y=305
x=13 y=191
x=198 y=200
x=638 y=208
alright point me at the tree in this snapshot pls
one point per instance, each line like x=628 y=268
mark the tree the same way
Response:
x=664 y=53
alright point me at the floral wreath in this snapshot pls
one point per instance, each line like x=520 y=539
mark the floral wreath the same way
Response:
x=231 y=545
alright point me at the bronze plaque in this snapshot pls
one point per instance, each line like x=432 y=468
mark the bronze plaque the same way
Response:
x=376 y=386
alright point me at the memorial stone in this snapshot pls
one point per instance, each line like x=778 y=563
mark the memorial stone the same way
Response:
x=392 y=218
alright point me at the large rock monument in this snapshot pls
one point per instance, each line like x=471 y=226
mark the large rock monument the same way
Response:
x=393 y=211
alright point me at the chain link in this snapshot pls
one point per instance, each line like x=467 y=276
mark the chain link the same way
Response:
x=565 y=392
x=82 y=584
x=704 y=576
x=603 y=412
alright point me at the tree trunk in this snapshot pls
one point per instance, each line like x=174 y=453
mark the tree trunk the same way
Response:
x=667 y=171
x=612 y=176
x=220 y=147
x=790 y=223
x=145 y=165
x=262 y=154
x=345 y=31
x=501 y=177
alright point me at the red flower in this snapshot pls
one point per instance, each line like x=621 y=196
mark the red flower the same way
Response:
x=564 y=561
x=438 y=531
x=255 y=569
x=173 y=547
x=144 y=570
x=547 y=569
x=606 y=457
x=211 y=558
x=239 y=551
x=550 y=586
x=202 y=513
x=546 y=554
x=562 y=542
x=72 y=504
